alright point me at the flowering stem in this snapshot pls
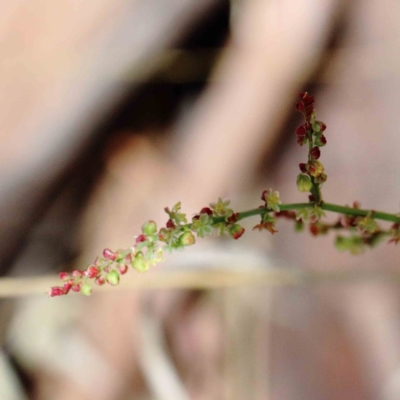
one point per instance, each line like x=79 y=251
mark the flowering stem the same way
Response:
x=219 y=217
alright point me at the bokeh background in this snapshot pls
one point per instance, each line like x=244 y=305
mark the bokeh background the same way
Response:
x=112 y=110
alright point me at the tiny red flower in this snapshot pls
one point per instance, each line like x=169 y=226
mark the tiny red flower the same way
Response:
x=76 y=273
x=206 y=210
x=308 y=100
x=56 y=291
x=315 y=153
x=301 y=130
x=63 y=276
x=92 y=272
x=76 y=287
x=109 y=255
x=67 y=287
x=303 y=168
x=141 y=238
x=300 y=106
x=100 y=281
x=170 y=224
x=123 y=269
x=236 y=231
x=233 y=218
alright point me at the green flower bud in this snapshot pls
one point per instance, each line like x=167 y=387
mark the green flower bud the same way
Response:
x=304 y=183
x=187 y=239
x=86 y=289
x=139 y=263
x=149 y=228
x=113 y=278
x=236 y=231
x=315 y=168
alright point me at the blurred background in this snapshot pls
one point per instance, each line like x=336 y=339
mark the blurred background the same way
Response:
x=112 y=110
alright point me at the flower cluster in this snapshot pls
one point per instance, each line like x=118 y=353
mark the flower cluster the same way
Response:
x=149 y=245
x=312 y=174
x=271 y=203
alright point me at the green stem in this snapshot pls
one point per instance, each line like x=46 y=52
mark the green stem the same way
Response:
x=355 y=212
x=361 y=213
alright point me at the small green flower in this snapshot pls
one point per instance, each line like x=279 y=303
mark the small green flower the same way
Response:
x=140 y=263
x=113 y=278
x=203 y=225
x=272 y=199
x=175 y=215
x=220 y=208
x=304 y=183
x=368 y=224
x=86 y=289
x=303 y=214
x=149 y=228
x=316 y=213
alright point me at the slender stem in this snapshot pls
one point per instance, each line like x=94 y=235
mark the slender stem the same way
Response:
x=359 y=212
x=325 y=206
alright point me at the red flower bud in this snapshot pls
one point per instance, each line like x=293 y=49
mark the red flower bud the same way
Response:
x=302 y=167
x=123 y=269
x=76 y=287
x=264 y=195
x=301 y=131
x=300 y=106
x=236 y=231
x=76 y=273
x=109 y=255
x=315 y=153
x=170 y=224
x=233 y=218
x=100 y=281
x=92 y=272
x=301 y=140
x=206 y=210
x=141 y=238
x=67 y=287
x=56 y=291
x=63 y=276
x=308 y=100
